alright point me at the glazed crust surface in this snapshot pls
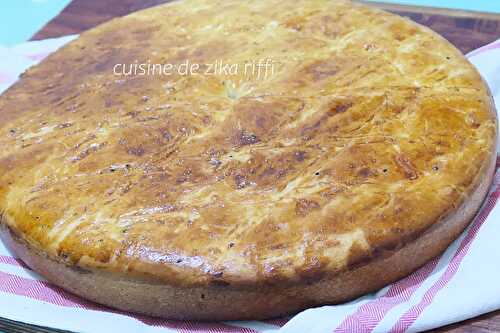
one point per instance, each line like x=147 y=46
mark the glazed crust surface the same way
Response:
x=370 y=133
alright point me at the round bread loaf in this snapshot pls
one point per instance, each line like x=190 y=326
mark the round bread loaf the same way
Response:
x=288 y=154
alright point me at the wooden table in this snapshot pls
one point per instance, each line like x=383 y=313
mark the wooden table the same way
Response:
x=466 y=30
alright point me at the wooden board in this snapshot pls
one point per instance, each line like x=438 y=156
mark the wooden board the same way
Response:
x=466 y=30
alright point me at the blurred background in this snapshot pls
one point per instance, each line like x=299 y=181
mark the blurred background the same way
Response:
x=21 y=19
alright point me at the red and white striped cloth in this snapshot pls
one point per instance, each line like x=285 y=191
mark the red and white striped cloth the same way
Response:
x=461 y=284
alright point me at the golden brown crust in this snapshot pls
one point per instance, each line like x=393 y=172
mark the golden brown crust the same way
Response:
x=372 y=133
x=223 y=303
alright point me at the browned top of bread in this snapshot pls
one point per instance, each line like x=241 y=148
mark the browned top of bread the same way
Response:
x=371 y=130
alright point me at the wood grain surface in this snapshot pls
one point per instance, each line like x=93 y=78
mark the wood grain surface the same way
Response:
x=466 y=30
x=11 y=326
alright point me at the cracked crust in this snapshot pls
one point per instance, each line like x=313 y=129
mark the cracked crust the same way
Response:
x=364 y=155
